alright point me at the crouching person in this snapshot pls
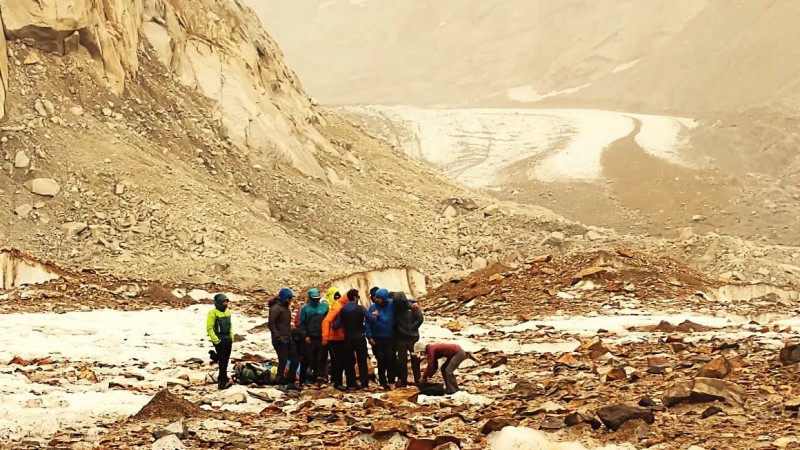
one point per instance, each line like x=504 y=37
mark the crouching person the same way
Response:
x=455 y=356
x=220 y=330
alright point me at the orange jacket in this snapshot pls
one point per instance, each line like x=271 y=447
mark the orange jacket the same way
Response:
x=328 y=333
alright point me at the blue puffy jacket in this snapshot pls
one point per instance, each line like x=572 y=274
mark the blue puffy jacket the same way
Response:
x=383 y=327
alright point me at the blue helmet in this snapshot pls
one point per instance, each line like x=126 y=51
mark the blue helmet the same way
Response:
x=382 y=294
x=313 y=294
x=285 y=295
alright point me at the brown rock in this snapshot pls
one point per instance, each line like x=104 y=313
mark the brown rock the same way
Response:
x=386 y=428
x=790 y=354
x=718 y=368
x=420 y=444
x=401 y=395
x=616 y=374
x=497 y=424
x=614 y=416
x=793 y=404
x=579 y=417
x=444 y=440
x=587 y=273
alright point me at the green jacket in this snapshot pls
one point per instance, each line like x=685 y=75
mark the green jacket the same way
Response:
x=219 y=326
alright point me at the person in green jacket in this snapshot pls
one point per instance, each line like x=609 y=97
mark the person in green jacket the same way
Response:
x=220 y=330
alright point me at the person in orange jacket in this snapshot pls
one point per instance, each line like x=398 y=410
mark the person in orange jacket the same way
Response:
x=335 y=341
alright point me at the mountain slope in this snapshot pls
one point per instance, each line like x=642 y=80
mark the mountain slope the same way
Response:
x=694 y=58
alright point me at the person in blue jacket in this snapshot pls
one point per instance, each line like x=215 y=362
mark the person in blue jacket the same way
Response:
x=380 y=334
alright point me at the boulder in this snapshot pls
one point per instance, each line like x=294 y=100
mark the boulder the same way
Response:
x=46 y=187
x=718 y=368
x=21 y=160
x=793 y=404
x=449 y=212
x=594 y=235
x=491 y=210
x=711 y=389
x=679 y=392
x=23 y=210
x=614 y=416
x=479 y=263
x=554 y=239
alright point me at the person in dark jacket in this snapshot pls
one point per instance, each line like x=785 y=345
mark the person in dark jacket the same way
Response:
x=381 y=337
x=408 y=318
x=220 y=331
x=280 y=326
x=353 y=318
x=455 y=356
x=310 y=324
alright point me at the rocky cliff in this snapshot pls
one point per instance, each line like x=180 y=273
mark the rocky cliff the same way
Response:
x=214 y=46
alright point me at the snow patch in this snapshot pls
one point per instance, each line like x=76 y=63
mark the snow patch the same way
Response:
x=520 y=438
x=625 y=66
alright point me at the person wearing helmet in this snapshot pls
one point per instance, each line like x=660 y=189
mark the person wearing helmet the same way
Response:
x=332 y=296
x=380 y=334
x=280 y=326
x=311 y=317
x=220 y=330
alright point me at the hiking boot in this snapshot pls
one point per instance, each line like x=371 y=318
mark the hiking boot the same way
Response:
x=340 y=388
x=293 y=387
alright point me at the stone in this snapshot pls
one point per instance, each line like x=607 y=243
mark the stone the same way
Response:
x=679 y=392
x=119 y=189
x=616 y=374
x=717 y=368
x=790 y=354
x=554 y=239
x=46 y=187
x=38 y=106
x=385 y=428
x=235 y=398
x=792 y=405
x=402 y=395
x=497 y=424
x=711 y=389
x=21 y=160
x=711 y=411
x=449 y=212
x=31 y=59
x=108 y=112
x=685 y=234
x=579 y=417
x=76 y=111
x=23 y=210
x=74 y=228
x=647 y=402
x=594 y=235
x=698 y=218
x=420 y=444
x=170 y=442
x=491 y=210
x=479 y=263
x=178 y=429
x=614 y=416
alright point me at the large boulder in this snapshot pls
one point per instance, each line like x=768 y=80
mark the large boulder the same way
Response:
x=46 y=187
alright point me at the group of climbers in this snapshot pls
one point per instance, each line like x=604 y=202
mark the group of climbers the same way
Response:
x=340 y=329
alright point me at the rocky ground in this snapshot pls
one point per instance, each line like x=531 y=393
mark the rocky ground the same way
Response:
x=604 y=348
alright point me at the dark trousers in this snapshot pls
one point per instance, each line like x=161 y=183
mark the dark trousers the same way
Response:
x=356 y=350
x=338 y=360
x=405 y=348
x=286 y=351
x=317 y=358
x=449 y=366
x=302 y=351
x=386 y=354
x=223 y=350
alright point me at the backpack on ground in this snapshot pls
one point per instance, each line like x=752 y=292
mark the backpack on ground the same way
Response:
x=249 y=373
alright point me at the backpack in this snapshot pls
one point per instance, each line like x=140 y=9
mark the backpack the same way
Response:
x=249 y=373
